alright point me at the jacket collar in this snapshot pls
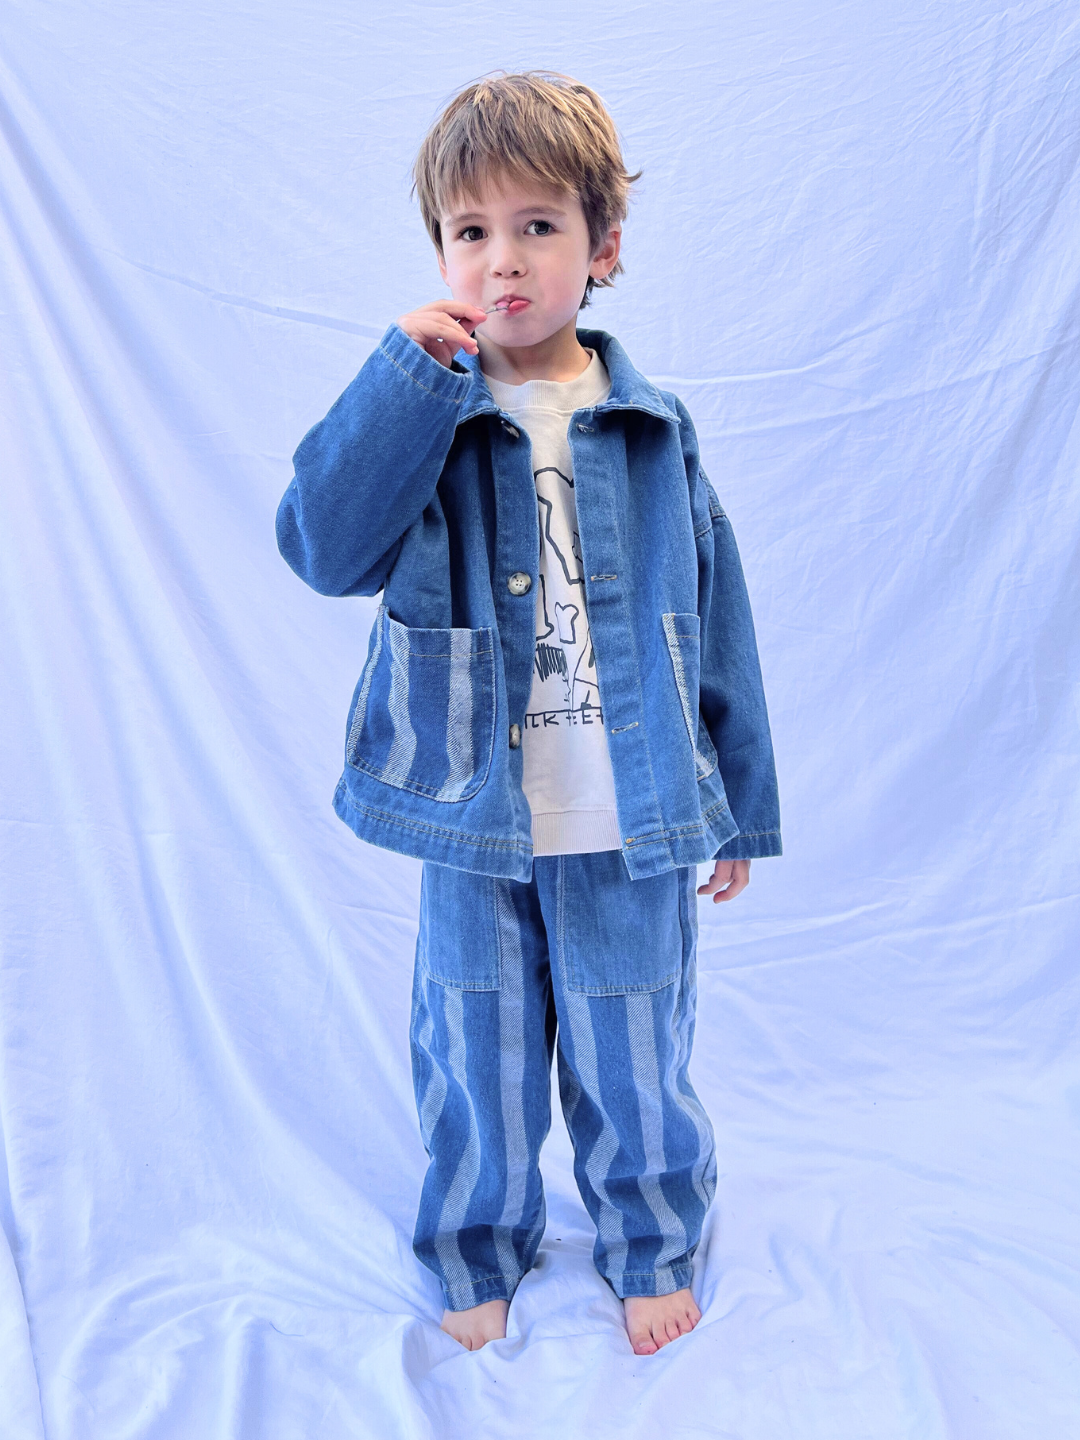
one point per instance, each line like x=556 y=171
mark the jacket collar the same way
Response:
x=629 y=388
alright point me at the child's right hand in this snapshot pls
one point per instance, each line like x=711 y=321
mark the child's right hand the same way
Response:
x=732 y=875
x=440 y=328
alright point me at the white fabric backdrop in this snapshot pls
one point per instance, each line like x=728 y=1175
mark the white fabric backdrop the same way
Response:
x=853 y=253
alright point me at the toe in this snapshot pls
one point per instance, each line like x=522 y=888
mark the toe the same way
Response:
x=643 y=1342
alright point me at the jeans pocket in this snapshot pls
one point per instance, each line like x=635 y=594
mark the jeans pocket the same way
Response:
x=423 y=717
x=458 y=944
x=683 y=636
x=617 y=936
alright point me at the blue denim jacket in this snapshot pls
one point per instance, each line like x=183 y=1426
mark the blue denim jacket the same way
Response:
x=417 y=484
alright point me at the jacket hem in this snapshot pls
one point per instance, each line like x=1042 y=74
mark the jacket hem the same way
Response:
x=758 y=845
x=481 y=854
x=643 y=855
x=648 y=855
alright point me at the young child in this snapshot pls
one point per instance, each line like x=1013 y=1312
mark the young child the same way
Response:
x=561 y=712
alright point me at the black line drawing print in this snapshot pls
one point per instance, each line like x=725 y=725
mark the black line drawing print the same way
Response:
x=548 y=626
x=575 y=576
x=566 y=615
x=580 y=691
x=585 y=714
x=551 y=660
x=586 y=688
x=554 y=470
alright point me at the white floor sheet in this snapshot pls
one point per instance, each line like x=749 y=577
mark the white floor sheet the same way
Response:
x=853 y=253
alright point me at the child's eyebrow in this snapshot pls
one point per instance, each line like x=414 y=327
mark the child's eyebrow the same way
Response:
x=529 y=210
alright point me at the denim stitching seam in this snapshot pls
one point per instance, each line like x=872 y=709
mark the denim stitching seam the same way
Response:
x=475 y=841
x=419 y=383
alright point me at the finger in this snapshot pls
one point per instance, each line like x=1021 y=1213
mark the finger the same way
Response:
x=459 y=309
x=737 y=886
x=437 y=348
x=446 y=331
x=469 y=322
x=445 y=345
x=739 y=880
x=721 y=875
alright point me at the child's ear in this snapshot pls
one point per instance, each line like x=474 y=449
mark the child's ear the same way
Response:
x=604 y=259
x=442 y=265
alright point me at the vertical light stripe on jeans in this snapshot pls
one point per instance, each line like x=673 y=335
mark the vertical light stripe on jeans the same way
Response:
x=461 y=1187
x=434 y=1094
x=430 y=1108
x=511 y=1076
x=681 y=1020
x=403 y=747
x=459 y=736
x=606 y=1146
x=644 y=1062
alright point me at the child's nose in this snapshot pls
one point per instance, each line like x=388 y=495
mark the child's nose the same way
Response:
x=507 y=264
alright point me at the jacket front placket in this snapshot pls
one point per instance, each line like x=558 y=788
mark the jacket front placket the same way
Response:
x=516 y=551
x=600 y=484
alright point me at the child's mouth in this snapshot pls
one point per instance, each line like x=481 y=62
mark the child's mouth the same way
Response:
x=508 y=307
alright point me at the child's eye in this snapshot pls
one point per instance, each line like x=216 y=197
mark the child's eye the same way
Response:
x=466 y=232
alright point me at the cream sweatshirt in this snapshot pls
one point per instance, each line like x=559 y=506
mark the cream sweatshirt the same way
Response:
x=567 y=769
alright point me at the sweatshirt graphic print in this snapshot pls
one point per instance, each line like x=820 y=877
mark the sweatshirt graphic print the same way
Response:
x=567 y=769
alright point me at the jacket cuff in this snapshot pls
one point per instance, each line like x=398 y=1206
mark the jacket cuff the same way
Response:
x=402 y=351
x=755 y=846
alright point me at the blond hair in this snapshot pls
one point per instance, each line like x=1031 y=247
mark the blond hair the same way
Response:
x=538 y=125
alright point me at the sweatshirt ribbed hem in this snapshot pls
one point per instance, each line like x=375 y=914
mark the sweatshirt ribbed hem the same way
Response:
x=575 y=832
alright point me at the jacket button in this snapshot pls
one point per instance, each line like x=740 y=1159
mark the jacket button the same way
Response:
x=519 y=582
x=515 y=736
x=510 y=429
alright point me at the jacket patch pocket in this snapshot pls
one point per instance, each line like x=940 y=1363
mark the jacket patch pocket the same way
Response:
x=424 y=714
x=683 y=635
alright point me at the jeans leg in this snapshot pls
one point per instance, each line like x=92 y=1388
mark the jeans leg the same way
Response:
x=482 y=1039
x=644 y=1147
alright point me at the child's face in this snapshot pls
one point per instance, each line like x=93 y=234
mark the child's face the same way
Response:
x=528 y=242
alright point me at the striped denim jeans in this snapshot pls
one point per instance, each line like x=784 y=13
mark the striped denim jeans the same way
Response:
x=583 y=961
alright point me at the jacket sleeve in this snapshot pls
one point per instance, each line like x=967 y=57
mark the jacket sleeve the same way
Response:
x=369 y=469
x=732 y=694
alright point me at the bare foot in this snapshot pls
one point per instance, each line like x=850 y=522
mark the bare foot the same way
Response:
x=475 y=1327
x=653 y=1320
